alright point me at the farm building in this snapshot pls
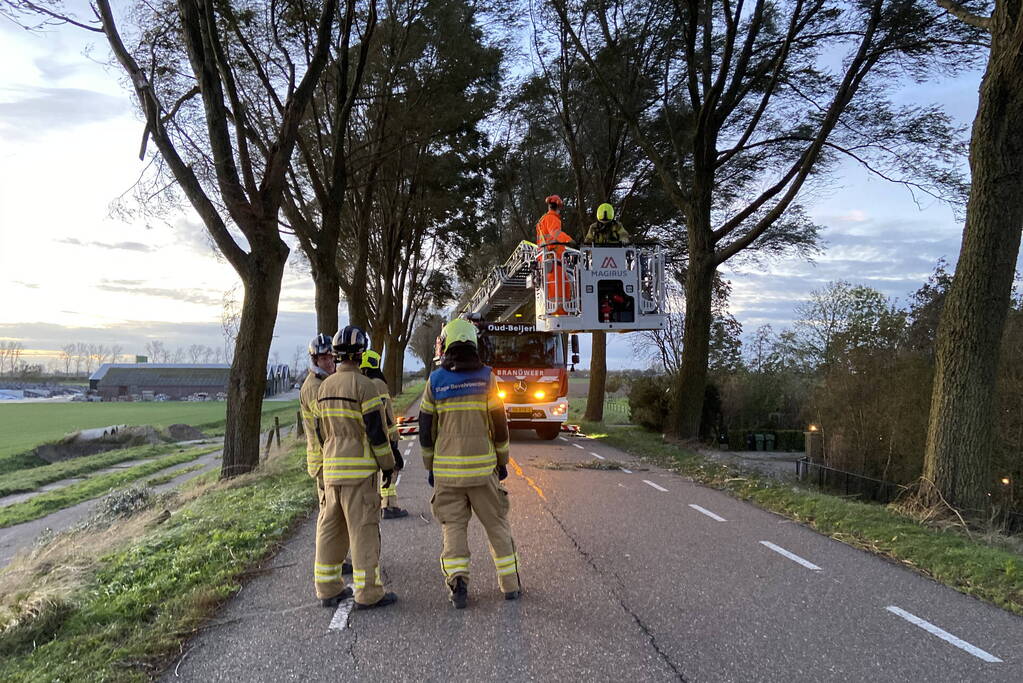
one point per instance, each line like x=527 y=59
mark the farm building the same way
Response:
x=177 y=381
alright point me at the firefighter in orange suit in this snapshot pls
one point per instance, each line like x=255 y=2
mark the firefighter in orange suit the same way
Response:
x=550 y=238
x=355 y=447
x=463 y=432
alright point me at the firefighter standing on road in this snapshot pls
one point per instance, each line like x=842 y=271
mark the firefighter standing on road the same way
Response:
x=355 y=447
x=606 y=231
x=550 y=238
x=371 y=368
x=463 y=432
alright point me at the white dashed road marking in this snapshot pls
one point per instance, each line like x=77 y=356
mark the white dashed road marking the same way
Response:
x=340 y=620
x=659 y=488
x=792 y=556
x=625 y=470
x=577 y=445
x=597 y=455
x=944 y=635
x=707 y=512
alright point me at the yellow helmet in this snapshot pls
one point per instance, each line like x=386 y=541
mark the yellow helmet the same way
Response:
x=605 y=212
x=370 y=359
x=459 y=330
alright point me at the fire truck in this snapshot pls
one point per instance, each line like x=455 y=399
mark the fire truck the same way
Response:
x=532 y=373
x=528 y=318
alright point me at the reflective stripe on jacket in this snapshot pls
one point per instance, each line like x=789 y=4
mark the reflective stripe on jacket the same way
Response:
x=353 y=428
x=463 y=429
x=307 y=401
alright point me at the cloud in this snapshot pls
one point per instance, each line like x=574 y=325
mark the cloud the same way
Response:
x=193 y=296
x=28 y=285
x=128 y=246
x=29 y=111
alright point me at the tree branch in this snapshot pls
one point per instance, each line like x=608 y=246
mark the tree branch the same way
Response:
x=963 y=14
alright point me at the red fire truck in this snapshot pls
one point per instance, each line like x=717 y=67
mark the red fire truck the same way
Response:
x=532 y=371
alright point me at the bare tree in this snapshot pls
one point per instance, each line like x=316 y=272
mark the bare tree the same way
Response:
x=957 y=461
x=116 y=350
x=195 y=353
x=230 y=321
x=67 y=353
x=156 y=351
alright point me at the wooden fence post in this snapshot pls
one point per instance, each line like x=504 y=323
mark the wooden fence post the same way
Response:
x=277 y=430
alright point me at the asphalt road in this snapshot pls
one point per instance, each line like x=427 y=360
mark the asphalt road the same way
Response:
x=638 y=575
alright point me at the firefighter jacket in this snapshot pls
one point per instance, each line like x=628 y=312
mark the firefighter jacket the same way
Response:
x=549 y=233
x=353 y=428
x=306 y=402
x=463 y=429
x=611 y=232
x=385 y=395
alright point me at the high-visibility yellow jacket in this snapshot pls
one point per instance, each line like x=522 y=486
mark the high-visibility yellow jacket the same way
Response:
x=385 y=396
x=611 y=232
x=307 y=401
x=463 y=429
x=353 y=428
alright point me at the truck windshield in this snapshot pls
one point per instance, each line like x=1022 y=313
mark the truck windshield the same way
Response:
x=535 y=350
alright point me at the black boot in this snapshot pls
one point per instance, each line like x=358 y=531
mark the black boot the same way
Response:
x=346 y=568
x=388 y=599
x=513 y=595
x=395 y=513
x=460 y=593
x=337 y=599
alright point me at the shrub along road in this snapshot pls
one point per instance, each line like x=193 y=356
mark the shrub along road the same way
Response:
x=633 y=572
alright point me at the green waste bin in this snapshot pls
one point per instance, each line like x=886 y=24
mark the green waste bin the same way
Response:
x=760 y=441
x=769 y=441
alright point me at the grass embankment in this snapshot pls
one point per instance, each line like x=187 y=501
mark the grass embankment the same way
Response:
x=115 y=604
x=983 y=567
x=45 y=503
x=23 y=426
x=30 y=479
x=144 y=599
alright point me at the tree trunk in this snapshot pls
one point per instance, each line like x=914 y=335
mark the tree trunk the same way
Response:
x=692 y=376
x=962 y=419
x=598 y=378
x=247 y=381
x=328 y=297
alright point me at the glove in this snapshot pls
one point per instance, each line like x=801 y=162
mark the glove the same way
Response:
x=502 y=472
x=429 y=479
x=387 y=478
x=399 y=462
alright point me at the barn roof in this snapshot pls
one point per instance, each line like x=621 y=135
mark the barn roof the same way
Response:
x=162 y=374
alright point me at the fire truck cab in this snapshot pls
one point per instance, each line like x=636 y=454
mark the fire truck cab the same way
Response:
x=531 y=367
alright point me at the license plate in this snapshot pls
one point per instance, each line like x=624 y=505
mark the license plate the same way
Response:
x=521 y=412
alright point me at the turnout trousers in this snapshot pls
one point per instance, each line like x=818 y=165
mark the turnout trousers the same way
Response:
x=389 y=494
x=349 y=517
x=453 y=507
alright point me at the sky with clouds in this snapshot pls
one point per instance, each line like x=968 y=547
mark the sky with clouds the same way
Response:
x=71 y=271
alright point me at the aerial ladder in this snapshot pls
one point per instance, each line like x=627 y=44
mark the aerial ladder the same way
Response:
x=594 y=288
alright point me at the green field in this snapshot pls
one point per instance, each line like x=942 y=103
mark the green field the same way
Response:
x=24 y=426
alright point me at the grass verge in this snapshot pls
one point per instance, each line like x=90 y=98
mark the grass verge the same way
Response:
x=986 y=568
x=164 y=478
x=45 y=503
x=30 y=479
x=146 y=594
